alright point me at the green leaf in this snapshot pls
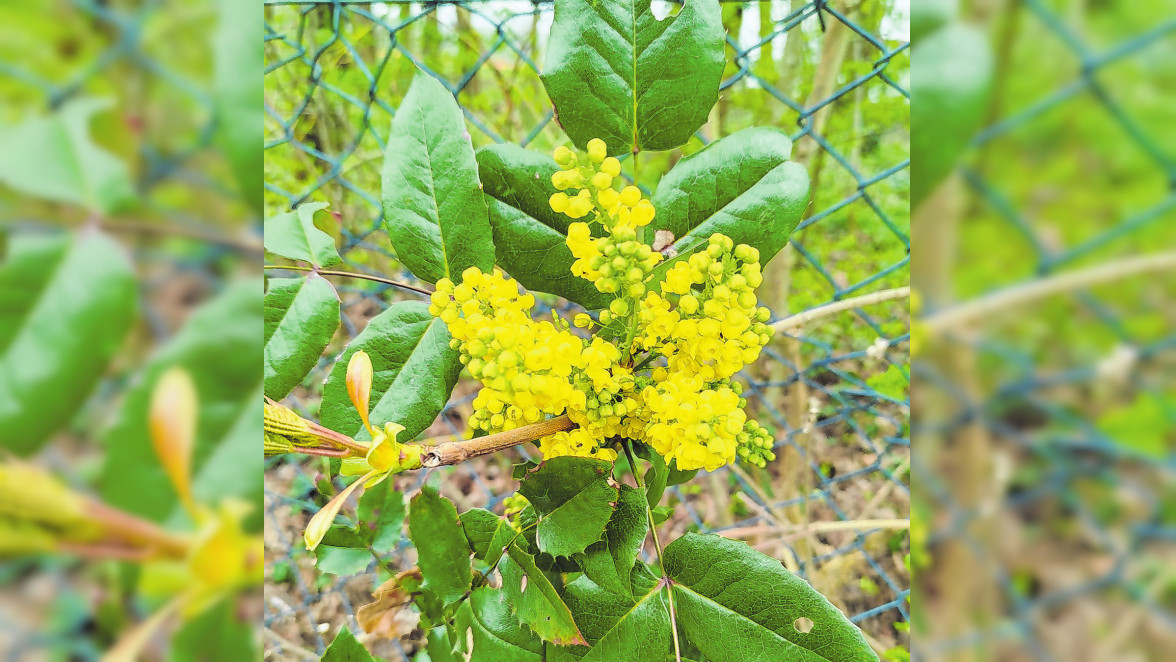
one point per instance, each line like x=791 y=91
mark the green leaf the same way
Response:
x=615 y=72
x=1144 y=426
x=928 y=16
x=609 y=562
x=742 y=186
x=953 y=84
x=342 y=561
x=434 y=210
x=301 y=315
x=440 y=648
x=55 y=158
x=623 y=628
x=345 y=648
x=661 y=514
x=488 y=533
x=737 y=605
x=443 y=551
x=485 y=621
x=218 y=346
x=415 y=371
x=381 y=516
x=530 y=240
x=238 y=63
x=655 y=476
x=214 y=636
x=575 y=497
x=66 y=306
x=534 y=599
x=894 y=383
x=293 y=235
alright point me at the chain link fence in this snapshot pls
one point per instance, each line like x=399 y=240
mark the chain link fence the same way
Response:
x=1045 y=428
x=833 y=507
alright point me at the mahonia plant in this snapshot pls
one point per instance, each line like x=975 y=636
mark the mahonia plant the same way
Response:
x=702 y=319
x=635 y=394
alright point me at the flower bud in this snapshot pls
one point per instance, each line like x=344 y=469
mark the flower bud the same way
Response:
x=597 y=150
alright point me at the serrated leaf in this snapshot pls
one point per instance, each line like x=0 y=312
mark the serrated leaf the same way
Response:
x=301 y=316
x=66 y=307
x=381 y=515
x=434 y=210
x=488 y=533
x=534 y=599
x=619 y=627
x=238 y=63
x=530 y=240
x=341 y=561
x=953 y=85
x=293 y=235
x=415 y=371
x=574 y=499
x=488 y=632
x=742 y=186
x=609 y=562
x=55 y=158
x=218 y=347
x=443 y=551
x=738 y=605
x=615 y=72
x=345 y=648
x=440 y=648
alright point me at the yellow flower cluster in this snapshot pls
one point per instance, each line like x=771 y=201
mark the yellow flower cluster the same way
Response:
x=703 y=319
x=526 y=366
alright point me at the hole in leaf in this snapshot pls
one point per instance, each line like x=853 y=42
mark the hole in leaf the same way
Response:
x=523 y=584
x=803 y=625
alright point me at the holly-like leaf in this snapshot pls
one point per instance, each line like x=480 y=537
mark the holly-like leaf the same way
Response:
x=66 y=306
x=341 y=561
x=742 y=186
x=615 y=72
x=218 y=347
x=634 y=629
x=55 y=158
x=434 y=210
x=486 y=630
x=415 y=371
x=534 y=599
x=530 y=240
x=301 y=316
x=953 y=86
x=488 y=533
x=238 y=63
x=443 y=551
x=381 y=516
x=574 y=497
x=345 y=648
x=609 y=562
x=737 y=605
x=293 y=235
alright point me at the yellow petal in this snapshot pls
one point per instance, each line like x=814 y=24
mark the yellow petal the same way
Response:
x=172 y=422
x=322 y=520
x=359 y=384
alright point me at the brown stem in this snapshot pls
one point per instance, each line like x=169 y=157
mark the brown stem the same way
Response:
x=456 y=452
x=122 y=526
x=352 y=274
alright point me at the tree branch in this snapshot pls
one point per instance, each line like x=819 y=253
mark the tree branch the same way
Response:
x=800 y=319
x=456 y=452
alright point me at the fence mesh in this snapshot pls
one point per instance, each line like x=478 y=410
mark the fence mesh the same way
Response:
x=835 y=391
x=1044 y=436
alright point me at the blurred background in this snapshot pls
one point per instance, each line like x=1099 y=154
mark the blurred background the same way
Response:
x=128 y=245
x=1045 y=398
x=834 y=389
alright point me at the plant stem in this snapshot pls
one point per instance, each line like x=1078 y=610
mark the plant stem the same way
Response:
x=351 y=274
x=124 y=527
x=455 y=452
x=800 y=319
x=657 y=546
